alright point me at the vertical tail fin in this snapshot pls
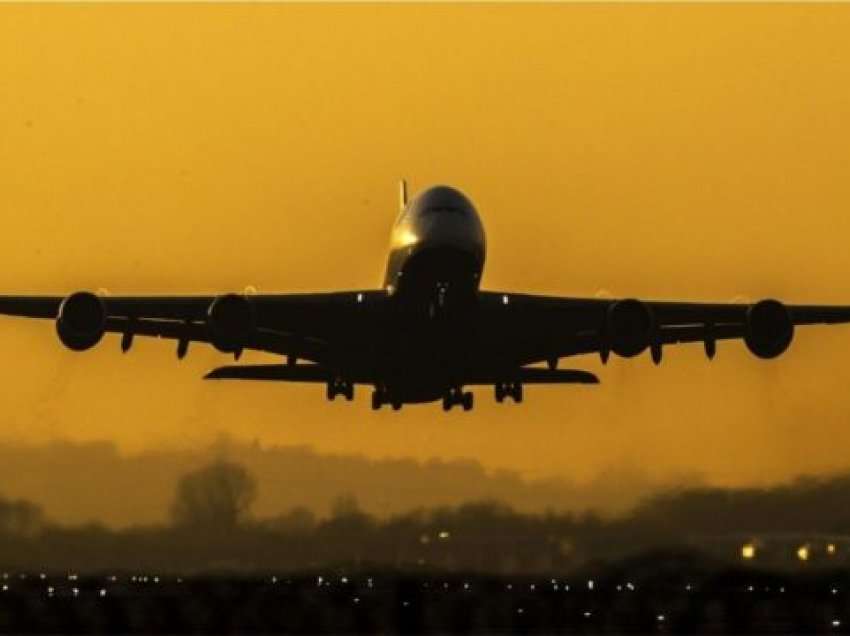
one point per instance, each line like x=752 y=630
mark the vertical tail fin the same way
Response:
x=402 y=194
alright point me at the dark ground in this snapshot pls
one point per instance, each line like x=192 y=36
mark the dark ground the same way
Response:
x=657 y=593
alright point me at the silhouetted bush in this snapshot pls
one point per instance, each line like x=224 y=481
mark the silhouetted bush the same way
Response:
x=218 y=496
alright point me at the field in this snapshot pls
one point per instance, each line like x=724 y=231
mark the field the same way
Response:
x=634 y=597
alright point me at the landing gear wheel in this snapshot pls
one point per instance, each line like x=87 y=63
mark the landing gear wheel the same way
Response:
x=467 y=401
x=500 y=393
x=377 y=402
x=447 y=402
x=349 y=392
x=331 y=392
x=516 y=393
x=396 y=405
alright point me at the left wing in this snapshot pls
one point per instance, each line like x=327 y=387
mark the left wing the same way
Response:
x=523 y=329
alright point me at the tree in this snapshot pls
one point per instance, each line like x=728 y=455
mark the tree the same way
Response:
x=20 y=517
x=344 y=506
x=219 y=495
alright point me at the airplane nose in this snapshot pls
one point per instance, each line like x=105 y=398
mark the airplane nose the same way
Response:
x=450 y=230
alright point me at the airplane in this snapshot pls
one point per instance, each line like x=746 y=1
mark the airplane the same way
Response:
x=430 y=331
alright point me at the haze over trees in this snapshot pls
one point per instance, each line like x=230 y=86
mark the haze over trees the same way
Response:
x=88 y=482
x=214 y=527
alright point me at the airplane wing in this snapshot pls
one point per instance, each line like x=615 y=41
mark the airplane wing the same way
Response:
x=544 y=328
x=306 y=326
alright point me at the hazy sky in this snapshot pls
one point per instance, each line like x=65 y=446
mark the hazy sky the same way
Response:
x=667 y=151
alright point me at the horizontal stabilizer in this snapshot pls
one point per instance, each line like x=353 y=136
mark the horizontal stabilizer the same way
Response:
x=534 y=375
x=320 y=374
x=278 y=372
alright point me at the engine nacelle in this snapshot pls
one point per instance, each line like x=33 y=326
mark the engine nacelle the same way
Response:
x=81 y=322
x=231 y=322
x=770 y=329
x=629 y=326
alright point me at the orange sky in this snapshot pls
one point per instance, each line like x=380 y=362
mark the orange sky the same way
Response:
x=659 y=151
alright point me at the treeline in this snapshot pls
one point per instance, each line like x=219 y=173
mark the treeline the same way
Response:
x=211 y=528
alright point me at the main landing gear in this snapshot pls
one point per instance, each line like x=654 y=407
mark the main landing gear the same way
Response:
x=381 y=397
x=459 y=397
x=509 y=389
x=340 y=387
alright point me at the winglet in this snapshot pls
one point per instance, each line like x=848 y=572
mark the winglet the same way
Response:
x=402 y=195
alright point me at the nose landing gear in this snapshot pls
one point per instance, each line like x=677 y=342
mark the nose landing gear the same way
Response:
x=508 y=389
x=457 y=396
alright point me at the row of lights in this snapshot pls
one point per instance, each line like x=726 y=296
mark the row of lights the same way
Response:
x=748 y=551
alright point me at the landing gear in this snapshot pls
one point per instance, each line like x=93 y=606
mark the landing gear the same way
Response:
x=462 y=398
x=340 y=387
x=381 y=397
x=508 y=389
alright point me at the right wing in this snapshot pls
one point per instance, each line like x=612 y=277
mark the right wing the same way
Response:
x=308 y=326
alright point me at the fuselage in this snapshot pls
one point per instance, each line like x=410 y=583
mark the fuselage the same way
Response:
x=437 y=243
x=437 y=253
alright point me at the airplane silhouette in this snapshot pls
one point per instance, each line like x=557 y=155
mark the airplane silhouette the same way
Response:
x=430 y=331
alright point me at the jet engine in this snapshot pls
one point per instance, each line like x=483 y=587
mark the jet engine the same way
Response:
x=769 y=329
x=629 y=325
x=81 y=321
x=230 y=319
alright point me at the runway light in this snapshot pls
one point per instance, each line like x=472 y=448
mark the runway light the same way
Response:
x=830 y=548
x=803 y=553
x=836 y=623
x=444 y=534
x=748 y=551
